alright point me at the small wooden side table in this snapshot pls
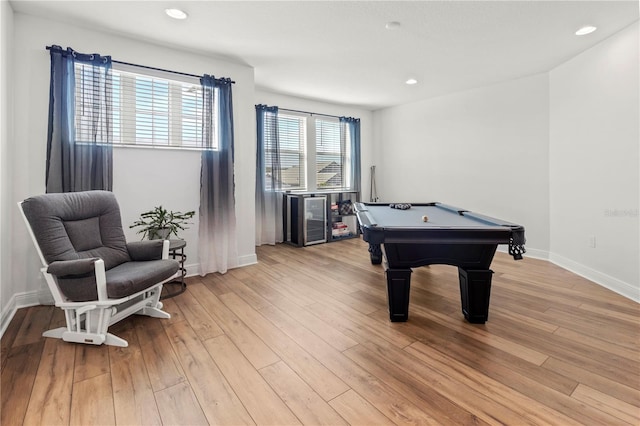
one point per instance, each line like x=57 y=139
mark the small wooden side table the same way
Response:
x=176 y=251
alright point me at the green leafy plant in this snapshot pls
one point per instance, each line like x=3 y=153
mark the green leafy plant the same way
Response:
x=161 y=223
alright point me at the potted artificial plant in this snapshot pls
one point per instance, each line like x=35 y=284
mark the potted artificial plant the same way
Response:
x=160 y=223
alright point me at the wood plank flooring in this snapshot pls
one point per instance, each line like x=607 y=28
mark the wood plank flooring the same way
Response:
x=303 y=337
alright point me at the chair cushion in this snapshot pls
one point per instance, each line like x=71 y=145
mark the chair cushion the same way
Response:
x=84 y=234
x=78 y=225
x=131 y=277
x=145 y=249
x=122 y=281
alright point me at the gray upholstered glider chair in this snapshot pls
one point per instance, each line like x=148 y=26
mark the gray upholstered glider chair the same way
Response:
x=95 y=276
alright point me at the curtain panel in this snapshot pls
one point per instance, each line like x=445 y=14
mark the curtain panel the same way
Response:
x=268 y=177
x=79 y=154
x=217 y=235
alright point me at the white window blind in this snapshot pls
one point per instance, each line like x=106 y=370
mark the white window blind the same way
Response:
x=147 y=110
x=292 y=135
x=331 y=154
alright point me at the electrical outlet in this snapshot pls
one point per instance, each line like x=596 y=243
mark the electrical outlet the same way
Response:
x=592 y=241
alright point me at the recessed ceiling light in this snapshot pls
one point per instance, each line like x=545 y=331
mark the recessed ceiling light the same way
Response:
x=587 y=29
x=393 y=25
x=176 y=13
x=411 y=81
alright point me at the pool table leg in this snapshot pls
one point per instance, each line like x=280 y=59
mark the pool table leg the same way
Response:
x=375 y=253
x=398 y=286
x=475 y=291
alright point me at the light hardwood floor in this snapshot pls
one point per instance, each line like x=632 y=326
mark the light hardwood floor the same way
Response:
x=304 y=337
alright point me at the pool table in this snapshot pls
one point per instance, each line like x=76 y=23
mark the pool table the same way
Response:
x=450 y=235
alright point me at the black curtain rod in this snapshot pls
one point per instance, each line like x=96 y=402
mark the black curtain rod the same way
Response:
x=153 y=68
x=310 y=113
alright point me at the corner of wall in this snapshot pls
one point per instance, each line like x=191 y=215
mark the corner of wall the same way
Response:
x=6 y=168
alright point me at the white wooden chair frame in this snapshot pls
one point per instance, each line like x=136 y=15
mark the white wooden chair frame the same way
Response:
x=88 y=322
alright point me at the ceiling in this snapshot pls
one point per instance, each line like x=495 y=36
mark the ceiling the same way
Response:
x=341 y=52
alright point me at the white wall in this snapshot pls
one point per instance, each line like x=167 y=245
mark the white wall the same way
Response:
x=485 y=150
x=143 y=178
x=594 y=163
x=365 y=116
x=7 y=207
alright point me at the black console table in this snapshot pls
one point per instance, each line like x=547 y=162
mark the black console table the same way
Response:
x=176 y=251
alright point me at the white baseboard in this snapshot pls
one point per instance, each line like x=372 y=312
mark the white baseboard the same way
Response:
x=537 y=254
x=604 y=280
x=192 y=269
x=17 y=301
x=625 y=289
x=251 y=259
x=533 y=253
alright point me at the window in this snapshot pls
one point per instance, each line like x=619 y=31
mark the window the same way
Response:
x=147 y=110
x=331 y=156
x=292 y=135
x=309 y=143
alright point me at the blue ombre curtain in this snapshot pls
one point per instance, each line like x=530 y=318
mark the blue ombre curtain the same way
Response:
x=79 y=137
x=268 y=177
x=217 y=234
x=351 y=126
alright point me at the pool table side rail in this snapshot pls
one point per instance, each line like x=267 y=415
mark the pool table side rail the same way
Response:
x=500 y=231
